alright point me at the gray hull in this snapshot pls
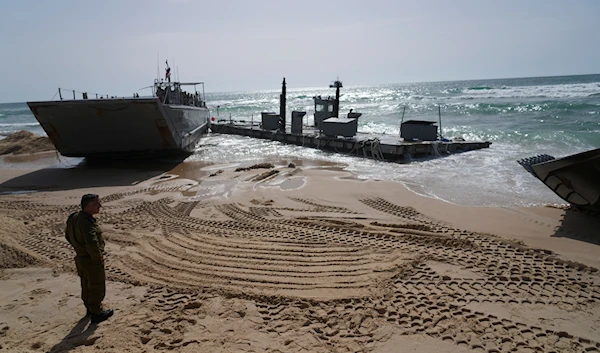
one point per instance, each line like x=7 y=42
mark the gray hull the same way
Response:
x=575 y=178
x=121 y=127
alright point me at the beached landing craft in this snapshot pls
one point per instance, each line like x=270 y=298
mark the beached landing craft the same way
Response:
x=575 y=178
x=169 y=122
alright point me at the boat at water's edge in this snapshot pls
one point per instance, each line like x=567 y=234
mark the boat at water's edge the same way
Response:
x=574 y=178
x=169 y=123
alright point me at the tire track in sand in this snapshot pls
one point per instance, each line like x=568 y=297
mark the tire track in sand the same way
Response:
x=347 y=284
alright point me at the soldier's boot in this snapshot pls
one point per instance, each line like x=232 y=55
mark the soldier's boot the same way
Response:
x=103 y=315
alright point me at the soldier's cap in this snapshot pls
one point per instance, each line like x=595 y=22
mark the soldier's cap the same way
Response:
x=87 y=199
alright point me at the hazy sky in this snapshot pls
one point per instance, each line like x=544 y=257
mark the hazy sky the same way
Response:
x=111 y=47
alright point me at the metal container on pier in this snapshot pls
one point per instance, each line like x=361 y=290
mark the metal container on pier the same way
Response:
x=297 y=122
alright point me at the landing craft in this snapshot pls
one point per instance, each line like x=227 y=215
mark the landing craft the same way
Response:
x=575 y=178
x=169 y=122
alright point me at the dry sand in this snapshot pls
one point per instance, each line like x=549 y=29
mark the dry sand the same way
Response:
x=207 y=259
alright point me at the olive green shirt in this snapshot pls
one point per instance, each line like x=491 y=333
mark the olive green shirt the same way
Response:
x=85 y=235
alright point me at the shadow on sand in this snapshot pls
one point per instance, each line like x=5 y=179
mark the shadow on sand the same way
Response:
x=79 y=336
x=580 y=226
x=89 y=174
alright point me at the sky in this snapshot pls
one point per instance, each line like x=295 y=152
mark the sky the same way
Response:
x=113 y=47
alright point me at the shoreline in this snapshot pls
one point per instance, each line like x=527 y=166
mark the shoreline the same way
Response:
x=546 y=219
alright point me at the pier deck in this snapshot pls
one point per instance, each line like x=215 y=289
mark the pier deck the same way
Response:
x=381 y=147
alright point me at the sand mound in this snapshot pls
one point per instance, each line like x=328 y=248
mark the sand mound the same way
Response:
x=13 y=255
x=25 y=142
x=11 y=229
x=256 y=166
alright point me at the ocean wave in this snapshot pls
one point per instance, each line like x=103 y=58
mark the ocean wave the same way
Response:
x=12 y=110
x=451 y=90
x=479 y=88
x=18 y=124
x=575 y=90
x=553 y=107
x=378 y=128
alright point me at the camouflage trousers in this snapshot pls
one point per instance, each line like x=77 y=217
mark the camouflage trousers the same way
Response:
x=93 y=283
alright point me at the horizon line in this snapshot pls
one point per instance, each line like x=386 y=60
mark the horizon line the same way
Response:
x=380 y=84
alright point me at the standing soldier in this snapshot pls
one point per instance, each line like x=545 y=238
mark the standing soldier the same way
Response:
x=86 y=238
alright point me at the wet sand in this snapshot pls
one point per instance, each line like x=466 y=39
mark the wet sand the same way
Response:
x=201 y=258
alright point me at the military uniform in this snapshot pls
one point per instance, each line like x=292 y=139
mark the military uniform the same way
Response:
x=86 y=238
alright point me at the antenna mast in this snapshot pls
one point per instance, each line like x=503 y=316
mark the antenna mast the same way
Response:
x=175 y=73
x=402 y=119
x=336 y=105
x=440 y=117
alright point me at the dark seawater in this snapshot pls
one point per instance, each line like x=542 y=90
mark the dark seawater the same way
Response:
x=520 y=116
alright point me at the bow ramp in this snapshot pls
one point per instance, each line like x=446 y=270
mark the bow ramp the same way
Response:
x=575 y=178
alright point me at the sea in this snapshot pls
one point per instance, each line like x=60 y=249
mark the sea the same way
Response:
x=522 y=117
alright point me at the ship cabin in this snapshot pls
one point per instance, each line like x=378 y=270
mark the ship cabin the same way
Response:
x=173 y=93
x=324 y=109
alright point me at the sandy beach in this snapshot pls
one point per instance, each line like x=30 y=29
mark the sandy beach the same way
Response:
x=294 y=258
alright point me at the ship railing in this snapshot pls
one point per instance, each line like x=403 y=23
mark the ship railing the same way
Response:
x=176 y=96
x=85 y=95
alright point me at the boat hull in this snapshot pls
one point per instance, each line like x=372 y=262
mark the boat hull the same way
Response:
x=574 y=178
x=121 y=127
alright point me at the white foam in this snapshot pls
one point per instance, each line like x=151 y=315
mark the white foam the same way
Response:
x=576 y=90
x=18 y=124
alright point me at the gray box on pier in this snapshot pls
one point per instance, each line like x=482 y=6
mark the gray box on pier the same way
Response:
x=340 y=127
x=419 y=130
x=270 y=121
x=297 y=122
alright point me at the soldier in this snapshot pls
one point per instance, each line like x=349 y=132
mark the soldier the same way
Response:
x=85 y=236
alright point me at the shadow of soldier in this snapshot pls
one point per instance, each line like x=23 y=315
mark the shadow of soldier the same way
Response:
x=79 y=336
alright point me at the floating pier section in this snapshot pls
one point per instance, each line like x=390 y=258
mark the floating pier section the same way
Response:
x=380 y=148
x=418 y=139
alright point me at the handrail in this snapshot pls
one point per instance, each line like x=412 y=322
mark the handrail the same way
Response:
x=84 y=95
x=178 y=96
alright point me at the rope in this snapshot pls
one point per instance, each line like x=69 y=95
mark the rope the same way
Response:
x=325 y=145
x=436 y=152
x=65 y=163
x=436 y=148
x=353 y=148
x=374 y=144
x=376 y=149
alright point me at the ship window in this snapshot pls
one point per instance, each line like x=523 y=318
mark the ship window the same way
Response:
x=330 y=108
x=320 y=108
